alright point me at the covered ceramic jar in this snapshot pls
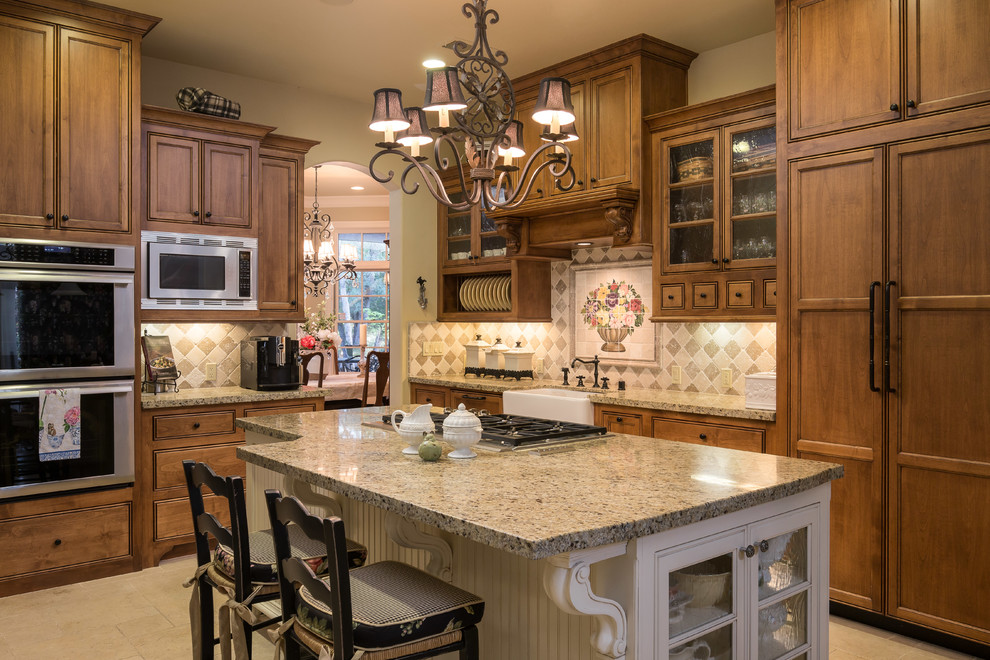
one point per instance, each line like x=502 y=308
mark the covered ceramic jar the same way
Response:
x=462 y=429
x=494 y=362
x=519 y=362
x=474 y=358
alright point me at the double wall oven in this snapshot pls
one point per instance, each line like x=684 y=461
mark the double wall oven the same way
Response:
x=66 y=323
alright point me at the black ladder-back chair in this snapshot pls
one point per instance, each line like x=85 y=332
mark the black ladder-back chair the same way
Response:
x=206 y=525
x=386 y=609
x=378 y=361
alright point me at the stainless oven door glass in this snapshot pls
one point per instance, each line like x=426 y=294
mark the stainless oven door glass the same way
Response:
x=62 y=324
x=106 y=411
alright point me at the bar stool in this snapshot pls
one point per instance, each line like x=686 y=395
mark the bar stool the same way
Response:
x=242 y=569
x=387 y=610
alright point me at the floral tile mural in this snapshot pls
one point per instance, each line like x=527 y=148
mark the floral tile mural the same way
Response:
x=613 y=320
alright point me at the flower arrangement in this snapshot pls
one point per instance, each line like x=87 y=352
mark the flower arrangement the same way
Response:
x=614 y=305
x=319 y=331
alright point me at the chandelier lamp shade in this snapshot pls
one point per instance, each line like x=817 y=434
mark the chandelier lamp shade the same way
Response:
x=476 y=122
x=320 y=266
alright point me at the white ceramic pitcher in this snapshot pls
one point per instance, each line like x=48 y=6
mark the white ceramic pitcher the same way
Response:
x=413 y=425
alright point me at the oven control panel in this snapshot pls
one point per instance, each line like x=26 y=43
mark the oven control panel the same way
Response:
x=84 y=255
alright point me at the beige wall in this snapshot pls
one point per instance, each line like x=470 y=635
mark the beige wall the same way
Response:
x=731 y=69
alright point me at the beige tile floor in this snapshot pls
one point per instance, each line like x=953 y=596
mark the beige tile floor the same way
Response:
x=144 y=616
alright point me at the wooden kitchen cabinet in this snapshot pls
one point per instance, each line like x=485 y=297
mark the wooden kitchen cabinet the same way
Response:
x=435 y=395
x=619 y=422
x=68 y=160
x=469 y=237
x=911 y=58
x=280 y=242
x=201 y=172
x=715 y=198
x=202 y=433
x=476 y=400
x=731 y=433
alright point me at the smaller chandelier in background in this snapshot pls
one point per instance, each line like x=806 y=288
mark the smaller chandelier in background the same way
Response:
x=320 y=266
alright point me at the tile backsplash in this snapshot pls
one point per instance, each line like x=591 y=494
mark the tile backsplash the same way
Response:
x=196 y=344
x=701 y=350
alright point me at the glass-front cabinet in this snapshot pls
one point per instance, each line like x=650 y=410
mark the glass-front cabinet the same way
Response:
x=746 y=593
x=720 y=199
x=469 y=237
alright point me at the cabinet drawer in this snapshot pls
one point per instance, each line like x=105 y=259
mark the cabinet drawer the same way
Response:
x=669 y=429
x=64 y=539
x=623 y=423
x=705 y=295
x=423 y=395
x=672 y=296
x=739 y=294
x=280 y=410
x=192 y=425
x=744 y=439
x=174 y=518
x=769 y=293
x=477 y=400
x=168 y=463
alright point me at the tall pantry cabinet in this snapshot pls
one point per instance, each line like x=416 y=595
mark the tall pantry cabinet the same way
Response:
x=885 y=294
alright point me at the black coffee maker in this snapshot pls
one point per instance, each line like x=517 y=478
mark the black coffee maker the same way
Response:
x=270 y=363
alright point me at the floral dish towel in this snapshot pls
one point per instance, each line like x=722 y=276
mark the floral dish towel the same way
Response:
x=58 y=425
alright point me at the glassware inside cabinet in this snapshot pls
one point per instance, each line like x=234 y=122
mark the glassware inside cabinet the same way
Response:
x=458 y=225
x=784 y=563
x=783 y=626
x=692 y=203
x=692 y=245
x=692 y=162
x=754 y=150
x=700 y=594
x=752 y=195
x=716 y=644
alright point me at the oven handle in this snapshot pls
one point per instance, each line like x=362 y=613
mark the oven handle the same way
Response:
x=105 y=387
x=65 y=276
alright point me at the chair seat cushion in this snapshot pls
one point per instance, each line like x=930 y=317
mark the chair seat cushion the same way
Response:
x=263 y=555
x=393 y=604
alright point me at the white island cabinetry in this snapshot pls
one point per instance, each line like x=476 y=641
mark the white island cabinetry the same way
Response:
x=594 y=553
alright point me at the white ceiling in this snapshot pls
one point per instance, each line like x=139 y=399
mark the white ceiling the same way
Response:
x=349 y=48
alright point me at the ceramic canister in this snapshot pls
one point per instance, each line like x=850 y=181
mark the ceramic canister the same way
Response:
x=474 y=356
x=494 y=360
x=519 y=362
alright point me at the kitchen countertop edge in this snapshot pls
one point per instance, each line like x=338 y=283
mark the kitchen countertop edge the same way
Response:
x=208 y=396
x=717 y=405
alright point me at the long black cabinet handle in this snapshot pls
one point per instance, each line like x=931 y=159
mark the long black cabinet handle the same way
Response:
x=886 y=337
x=873 y=380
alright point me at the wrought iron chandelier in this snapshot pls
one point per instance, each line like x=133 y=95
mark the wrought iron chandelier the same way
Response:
x=320 y=266
x=484 y=121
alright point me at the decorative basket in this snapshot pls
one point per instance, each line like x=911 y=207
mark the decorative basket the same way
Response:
x=708 y=589
x=698 y=167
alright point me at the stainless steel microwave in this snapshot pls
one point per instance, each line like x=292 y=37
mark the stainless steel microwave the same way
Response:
x=195 y=271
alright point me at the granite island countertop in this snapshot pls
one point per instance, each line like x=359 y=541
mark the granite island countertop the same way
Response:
x=717 y=405
x=208 y=396
x=533 y=505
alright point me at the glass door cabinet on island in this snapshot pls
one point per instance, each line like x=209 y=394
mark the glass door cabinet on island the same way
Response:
x=719 y=199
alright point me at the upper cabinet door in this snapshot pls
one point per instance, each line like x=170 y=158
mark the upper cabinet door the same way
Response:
x=948 y=54
x=27 y=133
x=94 y=132
x=843 y=64
x=611 y=129
x=173 y=178
x=578 y=149
x=279 y=236
x=227 y=184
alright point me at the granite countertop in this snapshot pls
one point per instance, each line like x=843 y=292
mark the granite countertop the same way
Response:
x=717 y=405
x=207 y=396
x=595 y=493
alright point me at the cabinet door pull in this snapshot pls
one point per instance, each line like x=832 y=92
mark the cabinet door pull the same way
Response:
x=910 y=103
x=58 y=541
x=749 y=550
x=725 y=260
x=429 y=400
x=886 y=337
x=738 y=294
x=195 y=214
x=50 y=216
x=618 y=419
x=594 y=180
x=65 y=217
x=670 y=297
x=196 y=425
x=894 y=107
x=580 y=182
x=539 y=191
x=703 y=436
x=474 y=397
x=702 y=295
x=764 y=545
x=873 y=380
x=209 y=214
x=714 y=260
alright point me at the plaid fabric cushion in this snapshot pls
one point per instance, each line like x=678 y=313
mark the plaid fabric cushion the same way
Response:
x=197 y=99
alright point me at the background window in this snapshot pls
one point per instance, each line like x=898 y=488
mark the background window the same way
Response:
x=363 y=302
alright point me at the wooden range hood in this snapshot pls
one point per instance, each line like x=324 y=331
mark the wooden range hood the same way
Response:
x=612 y=89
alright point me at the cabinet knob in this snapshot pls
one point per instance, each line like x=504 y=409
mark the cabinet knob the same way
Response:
x=764 y=545
x=703 y=436
x=58 y=541
x=196 y=425
x=50 y=216
x=738 y=294
x=429 y=400
x=749 y=550
x=670 y=297
x=594 y=180
x=65 y=216
x=702 y=295
x=618 y=419
x=910 y=104
x=775 y=292
x=539 y=191
x=714 y=260
x=894 y=107
x=725 y=260
x=292 y=302
x=209 y=214
x=195 y=214
x=580 y=182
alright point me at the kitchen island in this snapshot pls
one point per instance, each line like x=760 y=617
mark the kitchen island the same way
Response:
x=606 y=541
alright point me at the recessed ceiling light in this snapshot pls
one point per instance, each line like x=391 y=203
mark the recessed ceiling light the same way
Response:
x=357 y=187
x=434 y=64
x=583 y=243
